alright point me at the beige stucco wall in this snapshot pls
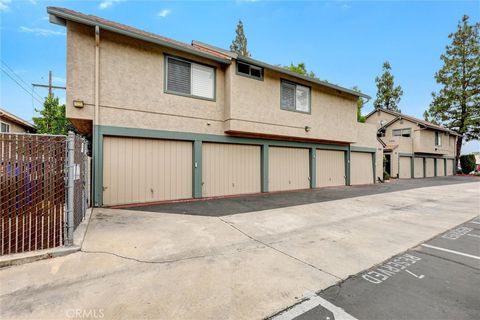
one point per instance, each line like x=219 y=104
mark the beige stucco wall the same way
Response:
x=425 y=142
x=132 y=94
x=379 y=116
x=405 y=144
x=367 y=137
x=132 y=85
x=14 y=127
x=255 y=107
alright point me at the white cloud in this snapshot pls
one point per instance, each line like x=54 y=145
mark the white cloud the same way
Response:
x=4 y=5
x=104 y=4
x=164 y=12
x=42 y=32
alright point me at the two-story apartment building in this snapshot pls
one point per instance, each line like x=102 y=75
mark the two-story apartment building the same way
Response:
x=171 y=120
x=414 y=148
x=10 y=123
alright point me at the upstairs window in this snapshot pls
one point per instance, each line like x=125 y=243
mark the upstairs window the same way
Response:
x=5 y=127
x=438 y=139
x=190 y=79
x=249 y=70
x=402 y=132
x=294 y=97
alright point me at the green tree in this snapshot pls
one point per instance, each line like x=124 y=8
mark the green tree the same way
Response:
x=467 y=163
x=239 y=44
x=457 y=104
x=360 y=104
x=388 y=95
x=52 y=118
x=301 y=68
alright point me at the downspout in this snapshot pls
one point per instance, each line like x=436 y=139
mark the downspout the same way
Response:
x=97 y=152
x=97 y=73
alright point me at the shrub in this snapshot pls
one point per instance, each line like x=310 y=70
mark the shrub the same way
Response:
x=386 y=176
x=467 y=162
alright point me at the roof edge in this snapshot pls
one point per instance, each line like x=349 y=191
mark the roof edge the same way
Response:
x=306 y=78
x=58 y=16
x=16 y=119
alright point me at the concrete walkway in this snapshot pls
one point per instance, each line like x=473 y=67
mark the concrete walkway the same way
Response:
x=148 y=265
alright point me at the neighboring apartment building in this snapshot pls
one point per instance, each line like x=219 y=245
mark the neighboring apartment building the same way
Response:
x=414 y=148
x=173 y=121
x=10 y=123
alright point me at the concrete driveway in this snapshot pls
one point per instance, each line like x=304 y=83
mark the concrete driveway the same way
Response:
x=154 y=265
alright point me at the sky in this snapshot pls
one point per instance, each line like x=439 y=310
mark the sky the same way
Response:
x=344 y=42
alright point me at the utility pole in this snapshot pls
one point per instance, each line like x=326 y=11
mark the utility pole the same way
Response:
x=49 y=85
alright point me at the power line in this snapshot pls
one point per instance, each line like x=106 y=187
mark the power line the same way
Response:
x=21 y=86
x=20 y=78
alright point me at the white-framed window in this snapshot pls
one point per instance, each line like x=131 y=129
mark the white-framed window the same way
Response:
x=189 y=79
x=4 y=127
x=294 y=97
x=402 y=132
x=249 y=70
x=438 y=138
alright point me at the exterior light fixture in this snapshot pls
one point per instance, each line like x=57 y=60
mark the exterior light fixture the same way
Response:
x=307 y=128
x=78 y=103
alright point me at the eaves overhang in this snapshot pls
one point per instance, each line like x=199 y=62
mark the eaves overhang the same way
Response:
x=299 y=76
x=58 y=16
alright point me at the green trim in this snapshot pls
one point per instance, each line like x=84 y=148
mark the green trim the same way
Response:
x=347 y=165
x=405 y=154
x=197 y=182
x=97 y=166
x=264 y=167
x=424 y=167
x=313 y=168
x=374 y=164
x=362 y=149
x=188 y=95
x=190 y=136
x=282 y=81
x=435 y=166
x=197 y=139
x=412 y=167
x=445 y=167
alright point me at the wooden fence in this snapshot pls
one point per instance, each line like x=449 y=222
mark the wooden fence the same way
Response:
x=32 y=192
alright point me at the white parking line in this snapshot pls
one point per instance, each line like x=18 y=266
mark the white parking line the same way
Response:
x=451 y=251
x=311 y=303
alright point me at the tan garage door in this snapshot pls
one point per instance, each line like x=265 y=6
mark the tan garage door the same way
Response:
x=288 y=169
x=230 y=169
x=418 y=168
x=405 y=170
x=361 y=168
x=330 y=168
x=429 y=167
x=440 y=167
x=139 y=170
x=450 y=167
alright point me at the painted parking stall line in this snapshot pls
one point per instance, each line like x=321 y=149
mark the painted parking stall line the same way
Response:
x=451 y=251
x=311 y=303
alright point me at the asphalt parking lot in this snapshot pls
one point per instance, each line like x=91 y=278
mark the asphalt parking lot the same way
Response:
x=243 y=204
x=439 y=279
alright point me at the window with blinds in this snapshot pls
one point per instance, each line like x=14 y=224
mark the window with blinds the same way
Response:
x=294 y=97
x=191 y=79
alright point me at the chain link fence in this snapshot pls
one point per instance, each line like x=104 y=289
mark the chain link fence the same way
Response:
x=34 y=178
